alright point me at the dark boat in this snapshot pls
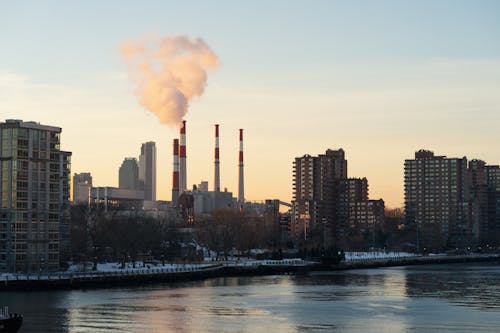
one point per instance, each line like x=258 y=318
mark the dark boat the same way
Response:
x=328 y=259
x=10 y=322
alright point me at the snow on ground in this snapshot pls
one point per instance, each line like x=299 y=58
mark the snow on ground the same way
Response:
x=139 y=267
x=251 y=263
x=106 y=269
x=148 y=268
x=357 y=256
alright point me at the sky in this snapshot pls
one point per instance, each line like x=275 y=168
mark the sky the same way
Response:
x=380 y=79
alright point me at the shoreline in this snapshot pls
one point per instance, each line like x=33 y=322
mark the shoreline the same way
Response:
x=419 y=260
x=100 y=280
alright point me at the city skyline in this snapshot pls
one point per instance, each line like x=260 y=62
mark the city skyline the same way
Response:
x=380 y=81
x=220 y=166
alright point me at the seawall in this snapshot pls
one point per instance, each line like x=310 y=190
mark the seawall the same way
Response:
x=421 y=260
x=271 y=267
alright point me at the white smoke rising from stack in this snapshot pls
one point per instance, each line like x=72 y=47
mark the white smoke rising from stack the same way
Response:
x=169 y=72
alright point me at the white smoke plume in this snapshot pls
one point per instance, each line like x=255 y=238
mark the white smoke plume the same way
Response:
x=169 y=72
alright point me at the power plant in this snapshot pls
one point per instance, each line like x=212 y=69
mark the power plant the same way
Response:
x=200 y=200
x=182 y=160
x=175 y=173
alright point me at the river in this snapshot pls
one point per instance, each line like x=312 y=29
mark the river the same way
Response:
x=427 y=298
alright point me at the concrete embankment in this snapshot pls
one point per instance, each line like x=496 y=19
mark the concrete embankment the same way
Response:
x=82 y=280
x=417 y=260
x=190 y=273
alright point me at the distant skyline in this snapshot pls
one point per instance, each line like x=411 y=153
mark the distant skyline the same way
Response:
x=380 y=79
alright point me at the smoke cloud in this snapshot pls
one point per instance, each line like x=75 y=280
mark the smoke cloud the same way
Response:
x=169 y=72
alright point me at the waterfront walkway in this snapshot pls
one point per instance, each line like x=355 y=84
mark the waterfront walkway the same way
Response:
x=113 y=270
x=109 y=275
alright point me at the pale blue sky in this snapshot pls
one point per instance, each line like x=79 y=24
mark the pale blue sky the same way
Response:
x=379 y=78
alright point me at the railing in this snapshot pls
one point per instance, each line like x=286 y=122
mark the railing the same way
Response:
x=373 y=256
x=99 y=274
x=150 y=271
x=4 y=312
x=284 y=262
x=144 y=271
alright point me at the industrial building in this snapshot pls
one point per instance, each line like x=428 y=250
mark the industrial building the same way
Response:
x=139 y=192
x=35 y=191
x=200 y=200
x=206 y=201
x=108 y=197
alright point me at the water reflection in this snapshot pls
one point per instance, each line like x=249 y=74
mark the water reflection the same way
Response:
x=475 y=286
x=373 y=300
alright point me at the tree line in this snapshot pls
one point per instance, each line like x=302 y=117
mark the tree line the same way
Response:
x=122 y=235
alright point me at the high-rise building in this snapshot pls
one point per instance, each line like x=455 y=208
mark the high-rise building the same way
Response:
x=304 y=204
x=82 y=183
x=34 y=187
x=64 y=199
x=147 y=170
x=364 y=218
x=327 y=202
x=349 y=192
x=314 y=180
x=493 y=221
x=478 y=204
x=437 y=200
x=128 y=178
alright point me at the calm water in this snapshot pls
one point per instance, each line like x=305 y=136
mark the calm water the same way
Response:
x=441 y=298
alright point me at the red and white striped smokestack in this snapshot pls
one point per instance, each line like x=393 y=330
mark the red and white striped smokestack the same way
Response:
x=182 y=160
x=241 y=182
x=217 y=163
x=175 y=174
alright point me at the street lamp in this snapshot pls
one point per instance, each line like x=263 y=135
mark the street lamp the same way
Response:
x=305 y=217
x=418 y=240
x=42 y=260
x=324 y=233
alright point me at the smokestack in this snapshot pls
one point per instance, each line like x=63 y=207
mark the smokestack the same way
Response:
x=182 y=160
x=241 y=188
x=175 y=174
x=217 y=167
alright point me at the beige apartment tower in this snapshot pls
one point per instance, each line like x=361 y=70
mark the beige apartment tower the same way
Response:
x=34 y=187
